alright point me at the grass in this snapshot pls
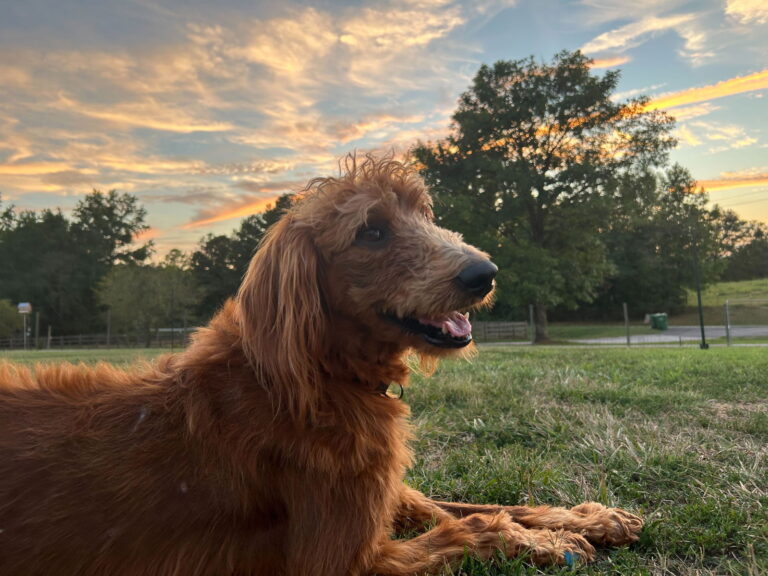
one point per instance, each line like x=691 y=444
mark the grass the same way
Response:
x=113 y=355
x=735 y=292
x=678 y=435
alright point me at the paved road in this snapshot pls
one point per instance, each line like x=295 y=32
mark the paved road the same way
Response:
x=684 y=334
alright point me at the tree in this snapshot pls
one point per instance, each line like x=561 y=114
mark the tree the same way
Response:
x=749 y=260
x=528 y=172
x=659 y=228
x=219 y=263
x=10 y=319
x=142 y=299
x=56 y=263
x=40 y=262
x=107 y=225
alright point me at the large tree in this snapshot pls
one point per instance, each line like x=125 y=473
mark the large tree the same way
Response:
x=529 y=170
x=108 y=224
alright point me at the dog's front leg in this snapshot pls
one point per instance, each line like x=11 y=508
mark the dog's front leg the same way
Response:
x=599 y=524
x=334 y=526
x=478 y=535
x=415 y=510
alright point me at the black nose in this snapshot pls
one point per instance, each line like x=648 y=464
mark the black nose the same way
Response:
x=477 y=278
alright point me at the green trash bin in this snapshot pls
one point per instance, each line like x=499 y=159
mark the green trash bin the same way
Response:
x=659 y=321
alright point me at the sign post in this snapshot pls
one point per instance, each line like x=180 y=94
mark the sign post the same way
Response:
x=25 y=309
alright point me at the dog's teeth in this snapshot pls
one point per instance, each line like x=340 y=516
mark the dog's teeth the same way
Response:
x=444 y=329
x=466 y=315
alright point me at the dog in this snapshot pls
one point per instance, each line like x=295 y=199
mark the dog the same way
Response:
x=271 y=445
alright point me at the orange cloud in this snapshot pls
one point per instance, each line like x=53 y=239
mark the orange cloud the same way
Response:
x=610 y=62
x=730 y=183
x=32 y=168
x=144 y=114
x=147 y=235
x=230 y=213
x=738 y=85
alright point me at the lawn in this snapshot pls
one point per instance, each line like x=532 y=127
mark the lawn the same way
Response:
x=679 y=436
x=114 y=355
x=737 y=292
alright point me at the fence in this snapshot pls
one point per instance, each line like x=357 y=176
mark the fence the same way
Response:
x=733 y=323
x=163 y=339
x=739 y=322
x=500 y=331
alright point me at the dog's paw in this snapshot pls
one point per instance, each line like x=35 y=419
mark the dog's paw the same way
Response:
x=561 y=547
x=608 y=526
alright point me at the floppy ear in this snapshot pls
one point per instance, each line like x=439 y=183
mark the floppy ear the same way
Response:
x=283 y=317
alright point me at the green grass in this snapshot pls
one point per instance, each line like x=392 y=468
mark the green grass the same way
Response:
x=114 y=355
x=745 y=290
x=678 y=435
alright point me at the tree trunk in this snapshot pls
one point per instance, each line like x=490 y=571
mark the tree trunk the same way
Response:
x=540 y=320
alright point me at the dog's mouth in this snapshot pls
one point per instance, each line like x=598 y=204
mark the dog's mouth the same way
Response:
x=451 y=330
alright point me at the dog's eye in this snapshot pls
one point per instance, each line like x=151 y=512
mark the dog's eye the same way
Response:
x=371 y=235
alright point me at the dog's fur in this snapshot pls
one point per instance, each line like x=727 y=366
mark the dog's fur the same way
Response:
x=268 y=446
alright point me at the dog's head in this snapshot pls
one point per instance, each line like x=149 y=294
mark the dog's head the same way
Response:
x=360 y=257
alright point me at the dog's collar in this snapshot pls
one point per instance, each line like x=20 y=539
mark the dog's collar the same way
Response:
x=390 y=390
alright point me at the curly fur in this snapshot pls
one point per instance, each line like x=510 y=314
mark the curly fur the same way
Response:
x=266 y=447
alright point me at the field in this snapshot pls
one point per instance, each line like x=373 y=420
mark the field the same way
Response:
x=736 y=292
x=677 y=435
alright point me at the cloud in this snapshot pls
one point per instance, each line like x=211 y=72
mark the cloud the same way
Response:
x=610 y=62
x=694 y=111
x=194 y=196
x=634 y=34
x=287 y=47
x=148 y=113
x=738 y=85
x=246 y=207
x=687 y=137
x=147 y=235
x=602 y=11
x=270 y=187
x=720 y=137
x=68 y=178
x=253 y=167
x=618 y=96
x=32 y=168
x=747 y=11
x=735 y=182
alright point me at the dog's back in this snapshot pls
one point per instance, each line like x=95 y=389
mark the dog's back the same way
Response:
x=99 y=475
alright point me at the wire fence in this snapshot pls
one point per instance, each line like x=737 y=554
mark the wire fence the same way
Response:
x=165 y=338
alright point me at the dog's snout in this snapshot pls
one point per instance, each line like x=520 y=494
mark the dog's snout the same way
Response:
x=477 y=278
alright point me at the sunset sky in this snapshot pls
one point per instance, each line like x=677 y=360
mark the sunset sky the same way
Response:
x=207 y=110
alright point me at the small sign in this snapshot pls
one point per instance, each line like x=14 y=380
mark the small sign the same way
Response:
x=25 y=308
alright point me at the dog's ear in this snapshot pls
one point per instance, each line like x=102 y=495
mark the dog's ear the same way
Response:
x=283 y=317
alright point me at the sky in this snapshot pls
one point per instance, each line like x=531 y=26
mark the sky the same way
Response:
x=206 y=111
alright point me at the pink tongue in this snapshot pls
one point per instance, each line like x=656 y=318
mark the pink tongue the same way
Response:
x=455 y=323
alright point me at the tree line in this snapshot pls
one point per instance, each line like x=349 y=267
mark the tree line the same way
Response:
x=570 y=191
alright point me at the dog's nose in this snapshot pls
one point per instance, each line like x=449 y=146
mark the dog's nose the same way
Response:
x=477 y=278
